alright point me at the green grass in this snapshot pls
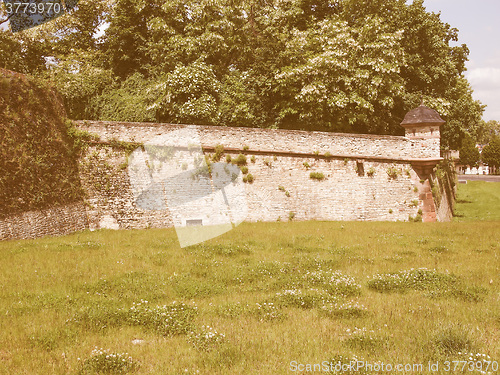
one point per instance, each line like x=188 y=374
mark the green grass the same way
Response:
x=478 y=200
x=252 y=301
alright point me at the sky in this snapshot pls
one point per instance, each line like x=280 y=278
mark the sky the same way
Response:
x=479 y=28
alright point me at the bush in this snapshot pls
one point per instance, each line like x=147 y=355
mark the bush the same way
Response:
x=370 y=172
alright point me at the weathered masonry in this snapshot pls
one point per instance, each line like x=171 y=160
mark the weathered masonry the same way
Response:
x=296 y=174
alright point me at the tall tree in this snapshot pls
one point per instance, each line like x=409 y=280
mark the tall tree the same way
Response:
x=469 y=153
x=491 y=154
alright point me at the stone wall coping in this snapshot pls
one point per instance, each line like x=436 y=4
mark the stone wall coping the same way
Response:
x=239 y=129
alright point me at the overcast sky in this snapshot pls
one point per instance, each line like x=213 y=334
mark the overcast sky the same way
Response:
x=479 y=28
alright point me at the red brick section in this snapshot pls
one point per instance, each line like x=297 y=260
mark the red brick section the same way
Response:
x=428 y=207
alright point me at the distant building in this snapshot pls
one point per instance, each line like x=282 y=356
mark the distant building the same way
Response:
x=464 y=169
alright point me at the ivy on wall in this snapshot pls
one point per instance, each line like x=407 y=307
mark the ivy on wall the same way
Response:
x=38 y=147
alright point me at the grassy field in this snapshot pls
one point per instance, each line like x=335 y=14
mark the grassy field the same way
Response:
x=265 y=298
x=478 y=200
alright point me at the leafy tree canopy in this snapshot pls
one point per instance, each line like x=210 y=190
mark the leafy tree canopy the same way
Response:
x=469 y=153
x=333 y=65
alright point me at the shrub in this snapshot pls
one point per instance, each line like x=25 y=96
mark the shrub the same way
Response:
x=104 y=361
x=248 y=178
x=287 y=193
x=306 y=164
x=252 y=159
x=291 y=216
x=317 y=176
x=328 y=155
x=229 y=159
x=246 y=148
x=281 y=188
x=244 y=170
x=268 y=163
x=370 y=172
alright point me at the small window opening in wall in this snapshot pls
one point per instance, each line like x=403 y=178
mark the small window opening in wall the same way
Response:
x=360 y=168
x=194 y=222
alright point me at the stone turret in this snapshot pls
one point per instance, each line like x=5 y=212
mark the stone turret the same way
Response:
x=422 y=122
x=422 y=127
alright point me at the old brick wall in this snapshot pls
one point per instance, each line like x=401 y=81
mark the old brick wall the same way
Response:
x=357 y=184
x=54 y=221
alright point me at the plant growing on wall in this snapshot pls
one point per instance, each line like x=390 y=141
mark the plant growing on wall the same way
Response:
x=248 y=178
x=316 y=176
x=393 y=172
x=240 y=160
x=219 y=151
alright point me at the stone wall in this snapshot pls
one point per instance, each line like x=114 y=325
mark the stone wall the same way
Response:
x=357 y=184
x=54 y=221
x=421 y=146
x=366 y=177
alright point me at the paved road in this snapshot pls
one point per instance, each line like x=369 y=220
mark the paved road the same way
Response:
x=473 y=177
